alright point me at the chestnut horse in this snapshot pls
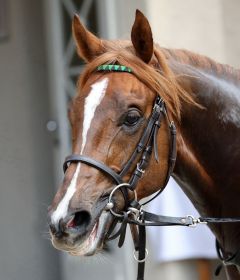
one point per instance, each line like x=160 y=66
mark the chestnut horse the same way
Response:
x=110 y=114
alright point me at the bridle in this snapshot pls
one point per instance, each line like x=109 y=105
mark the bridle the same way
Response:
x=133 y=213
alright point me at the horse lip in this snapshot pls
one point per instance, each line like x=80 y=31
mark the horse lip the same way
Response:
x=96 y=231
x=94 y=240
x=101 y=231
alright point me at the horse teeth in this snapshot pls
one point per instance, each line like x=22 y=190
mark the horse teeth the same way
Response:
x=71 y=223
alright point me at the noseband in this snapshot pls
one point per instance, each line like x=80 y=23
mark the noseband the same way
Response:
x=133 y=214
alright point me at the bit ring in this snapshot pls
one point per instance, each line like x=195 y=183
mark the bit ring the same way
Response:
x=136 y=258
x=110 y=204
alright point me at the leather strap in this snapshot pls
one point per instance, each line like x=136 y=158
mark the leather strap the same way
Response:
x=99 y=165
x=172 y=160
x=219 y=220
x=154 y=120
x=160 y=220
x=92 y=162
x=141 y=252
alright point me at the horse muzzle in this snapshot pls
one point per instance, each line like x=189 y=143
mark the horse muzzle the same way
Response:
x=81 y=233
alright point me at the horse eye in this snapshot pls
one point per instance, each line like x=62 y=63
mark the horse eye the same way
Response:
x=132 y=118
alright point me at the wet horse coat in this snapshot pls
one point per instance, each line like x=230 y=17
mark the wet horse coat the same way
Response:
x=109 y=115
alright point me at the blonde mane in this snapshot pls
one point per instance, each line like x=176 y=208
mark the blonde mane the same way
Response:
x=157 y=75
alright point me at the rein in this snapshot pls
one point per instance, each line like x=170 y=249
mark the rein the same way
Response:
x=133 y=213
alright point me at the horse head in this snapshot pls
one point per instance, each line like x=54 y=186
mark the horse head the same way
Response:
x=110 y=114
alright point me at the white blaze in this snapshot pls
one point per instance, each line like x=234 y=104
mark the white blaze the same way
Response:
x=91 y=103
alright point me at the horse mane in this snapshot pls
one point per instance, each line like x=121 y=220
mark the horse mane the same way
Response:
x=156 y=75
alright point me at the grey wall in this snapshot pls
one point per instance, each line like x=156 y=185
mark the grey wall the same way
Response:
x=211 y=27
x=117 y=17
x=25 y=149
x=231 y=29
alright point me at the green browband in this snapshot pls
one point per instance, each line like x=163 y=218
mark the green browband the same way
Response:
x=114 y=67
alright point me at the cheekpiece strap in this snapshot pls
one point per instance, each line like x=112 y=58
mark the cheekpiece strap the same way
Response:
x=114 y=67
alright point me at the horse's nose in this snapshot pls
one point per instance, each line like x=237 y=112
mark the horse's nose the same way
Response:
x=76 y=223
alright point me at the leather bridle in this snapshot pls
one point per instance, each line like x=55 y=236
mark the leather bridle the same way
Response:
x=133 y=213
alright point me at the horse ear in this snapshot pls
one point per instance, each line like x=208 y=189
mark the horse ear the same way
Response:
x=142 y=37
x=88 y=45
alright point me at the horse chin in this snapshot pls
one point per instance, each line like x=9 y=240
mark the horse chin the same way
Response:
x=92 y=244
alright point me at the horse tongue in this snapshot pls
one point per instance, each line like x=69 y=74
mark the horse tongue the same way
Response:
x=71 y=223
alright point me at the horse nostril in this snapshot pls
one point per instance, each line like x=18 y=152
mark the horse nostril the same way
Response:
x=80 y=219
x=56 y=230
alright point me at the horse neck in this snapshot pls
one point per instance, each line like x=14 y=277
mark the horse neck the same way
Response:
x=208 y=161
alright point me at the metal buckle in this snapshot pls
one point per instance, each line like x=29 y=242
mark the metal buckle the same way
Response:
x=142 y=171
x=157 y=108
x=137 y=213
x=195 y=221
x=134 y=211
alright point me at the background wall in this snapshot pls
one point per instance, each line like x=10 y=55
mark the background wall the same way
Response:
x=207 y=27
x=26 y=104
x=25 y=148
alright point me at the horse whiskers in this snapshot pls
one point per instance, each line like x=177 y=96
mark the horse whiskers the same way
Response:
x=46 y=235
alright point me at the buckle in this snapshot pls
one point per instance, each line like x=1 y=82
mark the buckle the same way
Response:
x=195 y=221
x=142 y=171
x=137 y=213
x=134 y=211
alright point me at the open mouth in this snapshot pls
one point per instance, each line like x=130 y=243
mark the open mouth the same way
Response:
x=85 y=233
x=95 y=239
x=92 y=243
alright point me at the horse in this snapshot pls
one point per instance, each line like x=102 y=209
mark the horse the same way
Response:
x=122 y=84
